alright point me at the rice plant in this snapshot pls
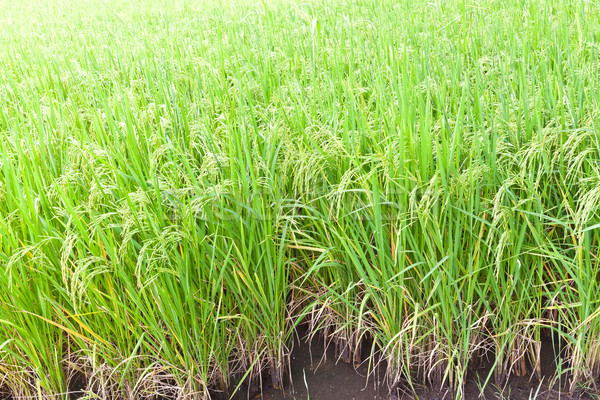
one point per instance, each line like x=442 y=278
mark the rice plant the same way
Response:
x=183 y=183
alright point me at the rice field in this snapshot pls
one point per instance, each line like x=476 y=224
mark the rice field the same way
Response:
x=184 y=183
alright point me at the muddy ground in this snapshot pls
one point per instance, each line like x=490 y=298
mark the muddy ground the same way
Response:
x=314 y=377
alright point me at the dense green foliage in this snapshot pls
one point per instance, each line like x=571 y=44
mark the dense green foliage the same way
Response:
x=182 y=183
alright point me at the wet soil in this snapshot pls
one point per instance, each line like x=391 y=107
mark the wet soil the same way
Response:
x=317 y=375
